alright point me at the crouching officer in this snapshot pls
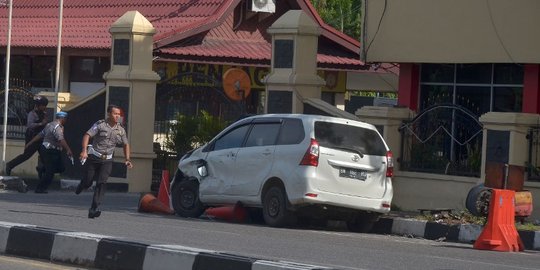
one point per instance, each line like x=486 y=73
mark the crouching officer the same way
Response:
x=97 y=158
x=51 y=150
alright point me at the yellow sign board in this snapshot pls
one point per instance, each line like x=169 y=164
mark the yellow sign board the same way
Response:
x=210 y=75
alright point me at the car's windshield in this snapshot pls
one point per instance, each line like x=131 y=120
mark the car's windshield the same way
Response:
x=356 y=139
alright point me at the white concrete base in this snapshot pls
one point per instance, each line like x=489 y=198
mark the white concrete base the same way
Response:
x=75 y=247
x=168 y=257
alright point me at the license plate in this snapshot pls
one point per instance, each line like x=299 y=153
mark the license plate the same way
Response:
x=352 y=173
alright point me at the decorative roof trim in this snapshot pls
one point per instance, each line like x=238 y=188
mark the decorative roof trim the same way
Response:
x=196 y=27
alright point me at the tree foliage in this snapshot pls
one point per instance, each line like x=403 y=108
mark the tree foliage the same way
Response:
x=344 y=15
x=191 y=131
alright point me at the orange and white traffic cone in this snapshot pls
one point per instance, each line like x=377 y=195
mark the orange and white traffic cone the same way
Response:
x=163 y=193
x=150 y=204
x=234 y=213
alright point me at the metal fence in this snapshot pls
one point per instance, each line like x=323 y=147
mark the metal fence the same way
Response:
x=442 y=139
x=533 y=164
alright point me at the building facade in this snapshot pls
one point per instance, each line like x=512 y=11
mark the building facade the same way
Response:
x=469 y=71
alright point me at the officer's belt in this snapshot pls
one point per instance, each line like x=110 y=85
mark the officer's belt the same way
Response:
x=48 y=145
x=98 y=154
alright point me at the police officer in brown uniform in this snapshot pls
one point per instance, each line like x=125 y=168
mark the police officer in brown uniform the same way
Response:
x=97 y=158
x=51 y=150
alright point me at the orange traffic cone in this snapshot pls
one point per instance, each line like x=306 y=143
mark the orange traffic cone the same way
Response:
x=150 y=204
x=163 y=194
x=500 y=233
x=234 y=213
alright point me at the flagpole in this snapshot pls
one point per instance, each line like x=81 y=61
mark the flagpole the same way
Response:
x=6 y=86
x=58 y=51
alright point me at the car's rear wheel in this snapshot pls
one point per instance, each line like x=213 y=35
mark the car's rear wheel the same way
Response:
x=185 y=199
x=362 y=222
x=275 y=210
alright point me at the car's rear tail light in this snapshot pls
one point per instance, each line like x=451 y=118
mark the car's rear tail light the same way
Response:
x=389 y=164
x=311 y=158
x=313 y=195
x=385 y=205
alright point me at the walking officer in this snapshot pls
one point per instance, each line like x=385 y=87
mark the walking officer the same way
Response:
x=97 y=158
x=51 y=150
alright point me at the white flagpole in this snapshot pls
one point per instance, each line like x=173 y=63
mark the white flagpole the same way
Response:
x=58 y=51
x=6 y=86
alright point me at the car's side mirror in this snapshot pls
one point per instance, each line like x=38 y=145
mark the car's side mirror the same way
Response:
x=201 y=168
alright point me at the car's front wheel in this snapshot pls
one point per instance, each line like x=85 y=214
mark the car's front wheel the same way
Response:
x=185 y=199
x=275 y=210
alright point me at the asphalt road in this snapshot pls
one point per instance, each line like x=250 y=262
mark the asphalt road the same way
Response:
x=340 y=249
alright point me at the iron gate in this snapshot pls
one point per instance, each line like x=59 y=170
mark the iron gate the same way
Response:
x=174 y=98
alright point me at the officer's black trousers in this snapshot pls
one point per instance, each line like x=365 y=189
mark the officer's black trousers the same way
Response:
x=52 y=161
x=97 y=170
x=28 y=153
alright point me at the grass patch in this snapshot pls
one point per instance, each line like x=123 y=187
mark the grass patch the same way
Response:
x=527 y=226
x=453 y=218
x=465 y=217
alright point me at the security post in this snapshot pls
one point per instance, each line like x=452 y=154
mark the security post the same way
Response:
x=293 y=78
x=131 y=84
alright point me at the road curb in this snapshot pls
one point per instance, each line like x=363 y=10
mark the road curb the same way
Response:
x=464 y=233
x=107 y=252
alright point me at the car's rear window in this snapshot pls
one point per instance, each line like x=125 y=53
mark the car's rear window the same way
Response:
x=334 y=135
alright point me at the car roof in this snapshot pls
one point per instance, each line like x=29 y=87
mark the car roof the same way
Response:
x=310 y=118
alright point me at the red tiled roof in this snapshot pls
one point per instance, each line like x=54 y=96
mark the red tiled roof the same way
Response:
x=221 y=48
x=246 y=50
x=250 y=41
x=86 y=22
x=185 y=29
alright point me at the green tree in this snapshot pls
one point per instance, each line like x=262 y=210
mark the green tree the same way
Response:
x=344 y=15
x=191 y=131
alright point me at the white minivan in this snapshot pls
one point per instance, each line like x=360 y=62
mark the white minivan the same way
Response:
x=293 y=166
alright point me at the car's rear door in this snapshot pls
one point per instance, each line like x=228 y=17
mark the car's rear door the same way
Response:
x=352 y=159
